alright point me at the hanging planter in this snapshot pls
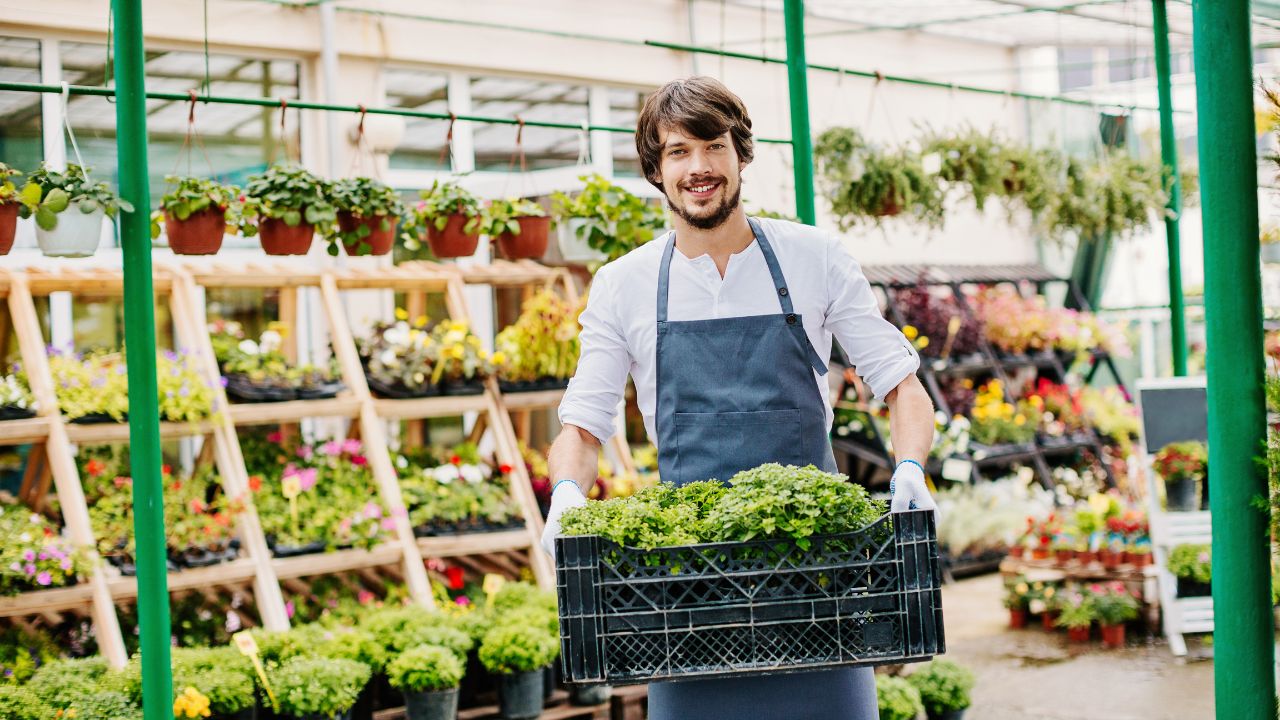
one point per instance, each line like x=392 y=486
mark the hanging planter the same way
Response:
x=50 y=195
x=518 y=227
x=369 y=235
x=77 y=234
x=866 y=184
x=368 y=212
x=604 y=221
x=291 y=205
x=453 y=240
x=9 y=204
x=448 y=217
x=197 y=212
x=280 y=238
x=199 y=234
x=573 y=245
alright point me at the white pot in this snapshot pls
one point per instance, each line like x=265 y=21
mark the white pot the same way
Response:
x=574 y=248
x=77 y=234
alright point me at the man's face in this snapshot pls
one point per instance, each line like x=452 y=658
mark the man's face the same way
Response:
x=702 y=178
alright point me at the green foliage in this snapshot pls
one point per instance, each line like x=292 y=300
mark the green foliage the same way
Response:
x=435 y=206
x=342 y=643
x=516 y=595
x=221 y=674
x=1193 y=562
x=642 y=520
x=944 y=686
x=542 y=342
x=190 y=195
x=98 y=384
x=364 y=198
x=1116 y=195
x=400 y=628
x=8 y=188
x=318 y=686
x=49 y=192
x=971 y=159
x=614 y=221
x=290 y=193
x=103 y=705
x=22 y=653
x=500 y=216
x=425 y=668
x=1076 y=609
x=897 y=699
x=509 y=648
x=865 y=184
x=1033 y=178
x=19 y=703
x=58 y=682
x=1113 y=604
x=262 y=361
x=185 y=396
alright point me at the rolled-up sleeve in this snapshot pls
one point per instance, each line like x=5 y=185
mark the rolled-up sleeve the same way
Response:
x=879 y=352
x=595 y=391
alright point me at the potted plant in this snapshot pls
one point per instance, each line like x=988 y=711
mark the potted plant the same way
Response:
x=9 y=206
x=539 y=351
x=185 y=396
x=428 y=675
x=518 y=655
x=603 y=221
x=94 y=389
x=971 y=160
x=1042 y=600
x=315 y=688
x=1192 y=565
x=1182 y=466
x=290 y=204
x=196 y=213
x=16 y=400
x=519 y=228
x=463 y=364
x=1076 y=613
x=1032 y=178
x=897 y=699
x=368 y=212
x=47 y=196
x=945 y=689
x=19 y=703
x=259 y=371
x=865 y=184
x=1114 y=606
x=400 y=358
x=951 y=332
x=1017 y=599
x=998 y=426
x=451 y=217
x=33 y=553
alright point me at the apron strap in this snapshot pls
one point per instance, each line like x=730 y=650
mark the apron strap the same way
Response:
x=664 y=276
x=784 y=296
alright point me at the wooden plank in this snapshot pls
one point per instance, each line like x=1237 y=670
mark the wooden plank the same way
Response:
x=289 y=318
x=36 y=478
x=474 y=543
x=337 y=562
x=540 y=400
x=240 y=570
x=21 y=432
x=43 y=601
x=450 y=406
x=103 y=433
x=293 y=410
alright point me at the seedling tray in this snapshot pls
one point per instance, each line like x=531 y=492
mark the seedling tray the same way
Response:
x=631 y=616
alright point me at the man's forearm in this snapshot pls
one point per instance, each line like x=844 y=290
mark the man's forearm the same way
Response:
x=910 y=420
x=575 y=454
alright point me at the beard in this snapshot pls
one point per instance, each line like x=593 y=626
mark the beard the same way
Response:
x=716 y=218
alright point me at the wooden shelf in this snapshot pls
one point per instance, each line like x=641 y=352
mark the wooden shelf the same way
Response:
x=41 y=601
x=293 y=410
x=119 y=432
x=533 y=400
x=21 y=432
x=429 y=407
x=474 y=543
x=234 y=572
x=339 y=561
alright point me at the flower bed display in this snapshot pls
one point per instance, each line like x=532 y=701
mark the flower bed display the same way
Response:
x=258 y=371
x=95 y=387
x=998 y=426
x=33 y=553
x=540 y=349
x=937 y=320
x=404 y=360
x=454 y=491
x=16 y=400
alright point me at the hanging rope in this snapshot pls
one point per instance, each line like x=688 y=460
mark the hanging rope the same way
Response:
x=192 y=133
x=446 y=152
x=108 y=66
x=584 y=145
x=363 y=149
x=71 y=135
x=208 y=87
x=518 y=152
x=284 y=139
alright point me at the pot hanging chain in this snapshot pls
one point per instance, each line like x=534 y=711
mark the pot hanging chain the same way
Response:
x=192 y=132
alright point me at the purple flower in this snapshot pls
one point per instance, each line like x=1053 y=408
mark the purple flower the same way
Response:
x=183 y=391
x=99 y=382
x=66 y=563
x=44 y=555
x=288 y=608
x=28 y=555
x=30 y=569
x=170 y=355
x=223 y=381
x=44 y=578
x=15 y=566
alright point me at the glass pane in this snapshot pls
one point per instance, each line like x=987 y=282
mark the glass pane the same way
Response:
x=423 y=145
x=20 y=125
x=624 y=111
x=531 y=100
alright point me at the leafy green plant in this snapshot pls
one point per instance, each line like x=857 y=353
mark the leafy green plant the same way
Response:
x=57 y=682
x=318 y=686
x=508 y=649
x=944 y=686
x=1193 y=562
x=23 y=652
x=970 y=159
x=49 y=192
x=1118 y=195
x=262 y=361
x=865 y=184
x=1075 y=608
x=189 y=195
x=450 y=494
x=343 y=643
x=613 y=221
x=542 y=342
x=435 y=206
x=19 y=703
x=897 y=699
x=500 y=216
x=94 y=385
x=1033 y=178
x=291 y=194
x=364 y=198
x=8 y=188
x=185 y=396
x=425 y=668
x=514 y=596
x=1113 y=603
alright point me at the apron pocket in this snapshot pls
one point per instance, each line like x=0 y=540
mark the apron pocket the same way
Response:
x=719 y=445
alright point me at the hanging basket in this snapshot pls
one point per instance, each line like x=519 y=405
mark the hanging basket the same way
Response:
x=8 y=226
x=379 y=241
x=77 y=234
x=280 y=239
x=200 y=234
x=452 y=241
x=573 y=247
x=530 y=244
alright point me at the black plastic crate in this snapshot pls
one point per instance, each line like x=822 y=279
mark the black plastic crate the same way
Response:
x=632 y=616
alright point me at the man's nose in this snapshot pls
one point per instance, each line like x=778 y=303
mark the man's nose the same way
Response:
x=699 y=163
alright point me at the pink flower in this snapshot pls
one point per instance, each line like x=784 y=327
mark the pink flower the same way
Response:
x=463 y=600
x=304 y=452
x=66 y=563
x=28 y=555
x=307 y=479
x=372 y=510
x=351 y=446
x=331 y=448
x=359 y=460
x=289 y=608
x=364 y=597
x=44 y=578
x=276 y=437
x=388 y=524
x=30 y=569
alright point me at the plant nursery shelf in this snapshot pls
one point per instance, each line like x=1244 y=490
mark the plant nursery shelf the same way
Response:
x=119 y=432
x=446 y=406
x=42 y=601
x=293 y=410
x=533 y=400
x=20 y=432
x=235 y=572
x=338 y=561
x=475 y=543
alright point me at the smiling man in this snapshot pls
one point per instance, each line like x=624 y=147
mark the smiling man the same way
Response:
x=725 y=324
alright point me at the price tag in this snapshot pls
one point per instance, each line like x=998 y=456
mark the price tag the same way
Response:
x=247 y=646
x=957 y=469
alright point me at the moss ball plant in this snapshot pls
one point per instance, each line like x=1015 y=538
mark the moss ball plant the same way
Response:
x=897 y=698
x=509 y=649
x=425 y=668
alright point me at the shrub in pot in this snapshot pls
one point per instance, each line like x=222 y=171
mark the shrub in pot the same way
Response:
x=290 y=204
x=9 y=206
x=897 y=699
x=865 y=184
x=451 y=218
x=19 y=703
x=1114 y=606
x=1076 y=613
x=368 y=212
x=603 y=221
x=1183 y=466
x=196 y=213
x=518 y=655
x=428 y=675
x=49 y=194
x=519 y=228
x=1192 y=565
x=315 y=688
x=945 y=689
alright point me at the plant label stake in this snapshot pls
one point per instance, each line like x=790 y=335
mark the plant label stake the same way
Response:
x=953 y=329
x=291 y=487
x=492 y=584
x=249 y=648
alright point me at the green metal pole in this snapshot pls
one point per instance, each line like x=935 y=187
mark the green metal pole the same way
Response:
x=798 y=91
x=1244 y=680
x=140 y=347
x=1169 y=154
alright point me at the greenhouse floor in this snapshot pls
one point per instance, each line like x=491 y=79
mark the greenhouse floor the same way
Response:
x=1031 y=673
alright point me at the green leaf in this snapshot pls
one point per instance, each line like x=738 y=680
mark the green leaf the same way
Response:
x=292 y=218
x=30 y=194
x=88 y=207
x=314 y=215
x=56 y=201
x=46 y=218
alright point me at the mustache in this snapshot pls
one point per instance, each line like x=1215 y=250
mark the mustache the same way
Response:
x=702 y=181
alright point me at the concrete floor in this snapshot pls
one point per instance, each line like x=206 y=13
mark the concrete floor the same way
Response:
x=1034 y=675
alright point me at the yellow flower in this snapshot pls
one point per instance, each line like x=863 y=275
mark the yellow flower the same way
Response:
x=191 y=704
x=1036 y=401
x=457 y=352
x=1021 y=588
x=910 y=331
x=967 y=383
x=1048 y=592
x=402 y=314
x=421 y=321
x=922 y=343
x=1019 y=419
x=499 y=358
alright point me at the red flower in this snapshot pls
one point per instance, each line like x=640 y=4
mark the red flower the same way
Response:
x=121 y=481
x=221 y=519
x=166 y=470
x=177 y=485
x=255 y=483
x=455 y=460
x=94 y=468
x=504 y=468
x=359 y=460
x=276 y=437
x=197 y=506
x=454 y=574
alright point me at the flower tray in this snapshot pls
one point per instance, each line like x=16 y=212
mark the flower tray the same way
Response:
x=870 y=597
x=278 y=550
x=546 y=383
x=201 y=557
x=1062 y=441
x=97 y=419
x=16 y=413
x=129 y=568
x=241 y=389
x=980 y=450
x=400 y=392
x=474 y=386
x=322 y=391
x=1190 y=588
x=466 y=527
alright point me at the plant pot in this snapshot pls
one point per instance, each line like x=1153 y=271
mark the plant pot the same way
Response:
x=1040 y=553
x=241 y=389
x=1140 y=559
x=1087 y=556
x=517 y=386
x=1048 y=620
x=589 y=695
x=1016 y=551
x=473 y=386
x=1017 y=619
x=1180 y=495
x=1064 y=556
x=8 y=226
x=321 y=391
x=548 y=682
x=249 y=713
x=1078 y=634
x=520 y=695
x=76 y=235
x=310 y=548
x=1113 y=635
x=1110 y=559
x=16 y=413
x=199 y=234
x=280 y=239
x=889 y=208
x=573 y=248
x=947 y=715
x=442 y=705
x=452 y=242
x=97 y=418
x=530 y=244
x=379 y=241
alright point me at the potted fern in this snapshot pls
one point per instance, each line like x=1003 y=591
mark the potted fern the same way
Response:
x=47 y=197
x=450 y=216
x=429 y=676
x=519 y=227
x=9 y=205
x=290 y=204
x=970 y=160
x=603 y=221
x=196 y=213
x=865 y=184
x=367 y=215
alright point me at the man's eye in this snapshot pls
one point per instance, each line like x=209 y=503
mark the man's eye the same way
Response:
x=675 y=152
x=717 y=146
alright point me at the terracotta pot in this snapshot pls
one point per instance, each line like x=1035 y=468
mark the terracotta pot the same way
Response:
x=8 y=226
x=1016 y=551
x=1017 y=619
x=1140 y=559
x=1087 y=556
x=280 y=239
x=452 y=242
x=1048 y=619
x=1065 y=556
x=1113 y=635
x=1078 y=634
x=199 y=234
x=1110 y=560
x=379 y=241
x=531 y=243
x=890 y=208
x=1040 y=553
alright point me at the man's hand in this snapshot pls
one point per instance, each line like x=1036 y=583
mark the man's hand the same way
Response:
x=566 y=495
x=909 y=491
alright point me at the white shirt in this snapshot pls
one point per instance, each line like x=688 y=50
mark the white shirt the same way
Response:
x=826 y=285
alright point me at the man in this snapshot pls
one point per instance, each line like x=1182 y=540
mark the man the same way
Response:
x=725 y=326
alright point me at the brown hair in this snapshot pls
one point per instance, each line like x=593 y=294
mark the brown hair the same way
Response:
x=701 y=106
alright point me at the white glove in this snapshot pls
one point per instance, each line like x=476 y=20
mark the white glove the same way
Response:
x=910 y=492
x=566 y=495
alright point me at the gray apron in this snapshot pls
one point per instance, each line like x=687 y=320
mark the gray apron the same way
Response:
x=735 y=393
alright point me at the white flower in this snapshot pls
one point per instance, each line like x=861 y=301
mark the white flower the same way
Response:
x=445 y=474
x=25 y=537
x=471 y=474
x=248 y=347
x=270 y=341
x=931 y=163
x=402 y=462
x=397 y=334
x=388 y=358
